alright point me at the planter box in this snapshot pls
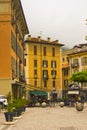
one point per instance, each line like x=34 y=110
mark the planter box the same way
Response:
x=9 y=116
x=17 y=112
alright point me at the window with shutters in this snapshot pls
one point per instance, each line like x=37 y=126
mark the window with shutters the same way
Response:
x=35 y=50
x=35 y=63
x=53 y=64
x=84 y=61
x=45 y=63
x=44 y=51
x=53 y=51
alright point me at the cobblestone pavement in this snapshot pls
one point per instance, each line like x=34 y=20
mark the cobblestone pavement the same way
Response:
x=2 y=119
x=50 y=118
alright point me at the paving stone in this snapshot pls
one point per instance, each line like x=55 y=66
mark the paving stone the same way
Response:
x=52 y=118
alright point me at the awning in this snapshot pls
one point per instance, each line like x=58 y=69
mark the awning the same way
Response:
x=38 y=93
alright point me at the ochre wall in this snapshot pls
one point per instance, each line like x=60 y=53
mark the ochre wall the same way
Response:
x=5 y=86
x=5 y=40
x=5 y=46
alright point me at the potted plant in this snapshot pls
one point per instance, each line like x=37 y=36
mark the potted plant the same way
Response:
x=17 y=105
x=23 y=104
x=9 y=112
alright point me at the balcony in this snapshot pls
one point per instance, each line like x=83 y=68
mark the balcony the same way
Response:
x=75 y=65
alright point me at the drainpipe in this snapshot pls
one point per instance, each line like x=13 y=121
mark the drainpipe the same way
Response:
x=16 y=48
x=17 y=95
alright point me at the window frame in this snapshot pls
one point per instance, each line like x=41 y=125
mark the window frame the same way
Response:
x=45 y=63
x=53 y=51
x=35 y=83
x=45 y=84
x=44 y=51
x=35 y=50
x=84 y=61
x=53 y=64
x=35 y=63
x=54 y=83
x=66 y=72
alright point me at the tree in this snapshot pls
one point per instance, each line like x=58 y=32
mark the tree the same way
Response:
x=79 y=77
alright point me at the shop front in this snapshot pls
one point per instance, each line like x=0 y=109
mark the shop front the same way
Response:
x=37 y=96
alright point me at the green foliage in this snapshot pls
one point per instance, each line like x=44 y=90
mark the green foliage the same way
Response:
x=10 y=107
x=79 y=77
x=16 y=103
x=19 y=103
x=9 y=96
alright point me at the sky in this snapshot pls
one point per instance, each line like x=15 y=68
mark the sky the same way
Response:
x=63 y=20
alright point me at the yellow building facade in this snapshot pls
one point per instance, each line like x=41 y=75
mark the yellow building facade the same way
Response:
x=78 y=59
x=73 y=60
x=43 y=64
x=65 y=70
x=13 y=27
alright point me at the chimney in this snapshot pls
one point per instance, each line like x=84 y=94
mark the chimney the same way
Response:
x=39 y=38
x=29 y=37
x=56 y=41
x=48 y=39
